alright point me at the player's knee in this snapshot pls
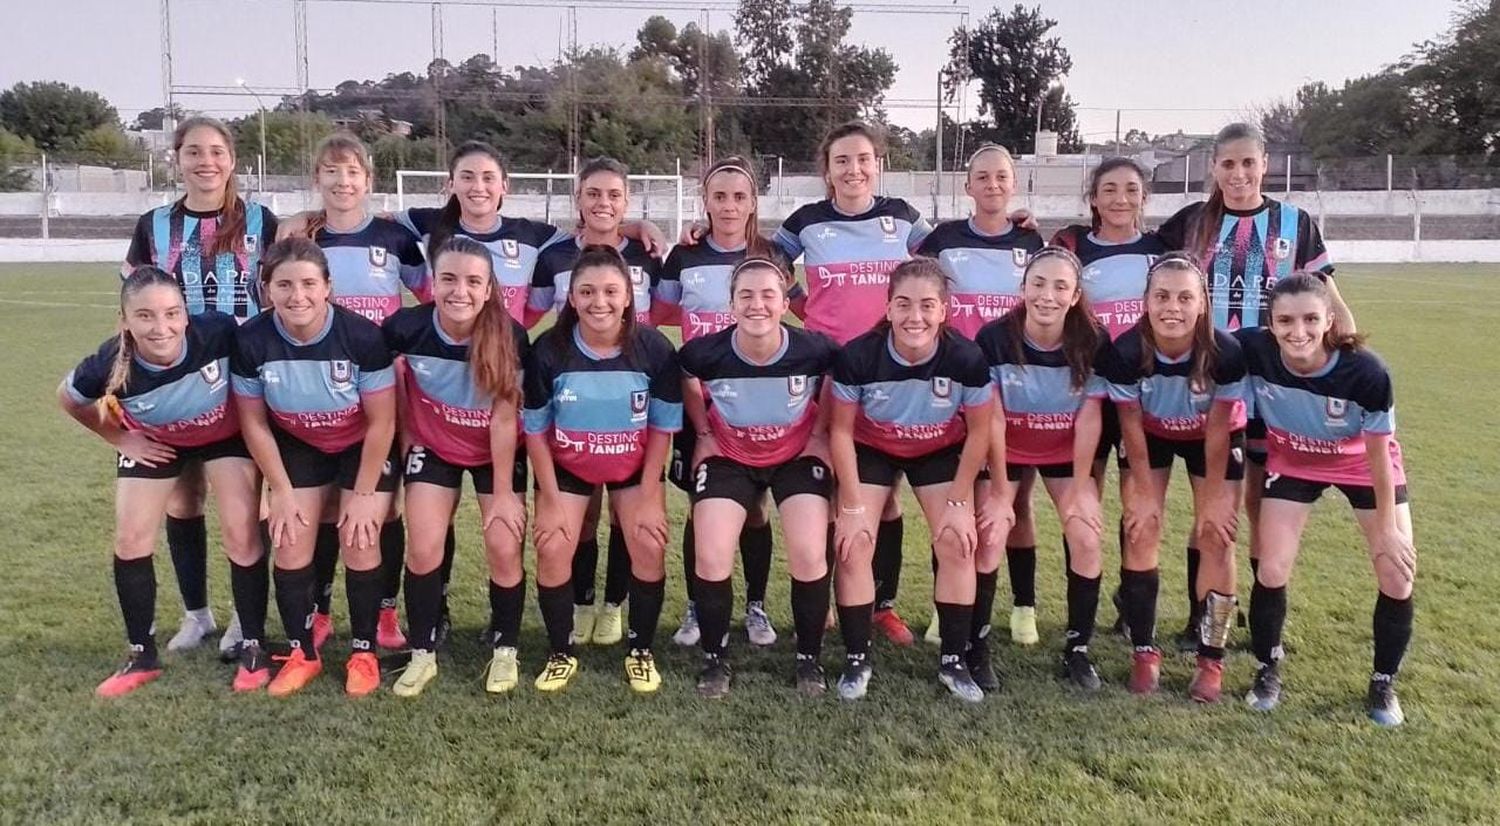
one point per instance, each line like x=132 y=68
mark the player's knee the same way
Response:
x=242 y=543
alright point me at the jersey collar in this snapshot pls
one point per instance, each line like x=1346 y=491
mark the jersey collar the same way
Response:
x=327 y=325
x=786 y=342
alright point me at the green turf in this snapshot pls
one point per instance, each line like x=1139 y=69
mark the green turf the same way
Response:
x=184 y=749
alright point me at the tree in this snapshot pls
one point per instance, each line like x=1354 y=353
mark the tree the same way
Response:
x=290 y=138
x=1017 y=65
x=155 y=118
x=763 y=32
x=54 y=115
x=1455 y=85
x=17 y=155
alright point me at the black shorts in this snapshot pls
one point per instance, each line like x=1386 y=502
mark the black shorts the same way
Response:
x=1255 y=441
x=1306 y=491
x=423 y=464
x=568 y=482
x=230 y=448
x=1109 y=430
x=684 y=442
x=876 y=467
x=309 y=467
x=1059 y=470
x=1160 y=453
x=719 y=477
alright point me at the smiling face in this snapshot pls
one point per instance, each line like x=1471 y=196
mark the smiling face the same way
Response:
x=1050 y=290
x=1239 y=166
x=206 y=160
x=916 y=310
x=299 y=291
x=729 y=199
x=156 y=318
x=1300 y=322
x=343 y=181
x=991 y=182
x=479 y=184
x=602 y=201
x=759 y=300
x=461 y=285
x=1118 y=197
x=601 y=297
x=853 y=168
x=1174 y=301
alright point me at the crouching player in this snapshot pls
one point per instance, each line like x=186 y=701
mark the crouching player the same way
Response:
x=1330 y=420
x=751 y=395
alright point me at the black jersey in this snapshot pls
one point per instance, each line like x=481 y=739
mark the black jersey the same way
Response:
x=179 y=240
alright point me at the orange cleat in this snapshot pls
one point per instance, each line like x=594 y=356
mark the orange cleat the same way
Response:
x=1207 y=681
x=889 y=623
x=1145 y=672
x=388 y=631
x=363 y=674
x=296 y=672
x=137 y=671
x=254 y=671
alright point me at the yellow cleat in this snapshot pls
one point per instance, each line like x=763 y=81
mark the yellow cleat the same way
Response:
x=934 y=634
x=558 y=672
x=1023 y=625
x=583 y=624
x=503 y=672
x=417 y=674
x=609 y=626
x=641 y=674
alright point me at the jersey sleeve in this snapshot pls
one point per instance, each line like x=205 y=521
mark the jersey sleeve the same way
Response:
x=370 y=352
x=846 y=387
x=141 y=248
x=690 y=358
x=1067 y=238
x=543 y=292
x=1121 y=380
x=1377 y=397
x=244 y=364
x=268 y=225
x=85 y=383
x=974 y=374
x=536 y=386
x=920 y=229
x=414 y=271
x=556 y=236
x=1174 y=231
x=1312 y=255
x=1229 y=371
x=668 y=288
x=665 y=411
x=788 y=236
x=417 y=219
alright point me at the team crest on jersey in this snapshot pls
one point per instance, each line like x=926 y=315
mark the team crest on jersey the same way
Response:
x=377 y=257
x=1336 y=408
x=1283 y=249
x=942 y=387
x=796 y=385
x=1019 y=257
x=888 y=225
x=638 y=399
x=252 y=243
x=509 y=248
x=637 y=275
x=340 y=371
x=211 y=373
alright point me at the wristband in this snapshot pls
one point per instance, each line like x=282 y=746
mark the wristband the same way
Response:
x=958 y=503
x=851 y=511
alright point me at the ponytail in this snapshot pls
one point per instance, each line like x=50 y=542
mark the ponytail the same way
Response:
x=1204 y=231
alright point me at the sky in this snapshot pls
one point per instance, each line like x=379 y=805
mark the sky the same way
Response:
x=1164 y=64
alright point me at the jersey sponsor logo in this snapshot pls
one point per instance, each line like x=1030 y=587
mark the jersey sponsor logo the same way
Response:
x=1019 y=257
x=1091 y=274
x=1283 y=249
x=827 y=234
x=340 y=371
x=723 y=390
x=509 y=248
x=637 y=275
x=796 y=385
x=211 y=373
x=567 y=395
x=377 y=257
x=638 y=401
x=888 y=225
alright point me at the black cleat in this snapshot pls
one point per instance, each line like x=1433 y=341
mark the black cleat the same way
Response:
x=982 y=667
x=1078 y=669
x=1265 y=692
x=443 y=631
x=956 y=678
x=713 y=680
x=1382 y=703
x=811 y=682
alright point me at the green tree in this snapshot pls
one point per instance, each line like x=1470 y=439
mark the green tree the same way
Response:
x=17 y=157
x=1017 y=64
x=154 y=118
x=290 y=139
x=54 y=115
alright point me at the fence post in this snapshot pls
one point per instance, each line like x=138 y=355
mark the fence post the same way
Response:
x=1187 y=172
x=1289 y=173
x=547 y=209
x=646 y=198
x=1389 y=169
x=46 y=198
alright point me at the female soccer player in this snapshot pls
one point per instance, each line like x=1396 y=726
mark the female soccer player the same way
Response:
x=461 y=388
x=312 y=383
x=158 y=392
x=1330 y=420
x=984 y=256
x=751 y=394
x=1042 y=356
x=849 y=244
x=1179 y=387
x=603 y=397
x=1245 y=243
x=370 y=258
x=211 y=240
x=603 y=198
x=911 y=397
x=695 y=293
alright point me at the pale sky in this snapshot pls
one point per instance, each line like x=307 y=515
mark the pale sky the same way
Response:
x=1168 y=64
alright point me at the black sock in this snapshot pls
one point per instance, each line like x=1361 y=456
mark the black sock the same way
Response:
x=617 y=568
x=755 y=549
x=1195 y=605
x=1254 y=567
x=887 y=562
x=251 y=586
x=424 y=607
x=325 y=562
x=1267 y=616
x=1393 y=619
x=506 y=605
x=264 y=526
x=689 y=559
x=135 y=585
x=645 y=611
x=585 y=562
x=1021 y=563
x=392 y=561
x=363 y=590
x=854 y=623
x=450 y=552
x=1067 y=556
x=556 y=604
x=187 y=539
x=1083 y=606
x=294 y=601
x=954 y=621
x=715 y=600
x=809 y=614
x=984 y=604
x=1138 y=591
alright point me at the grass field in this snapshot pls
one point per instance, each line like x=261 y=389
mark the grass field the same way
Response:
x=185 y=750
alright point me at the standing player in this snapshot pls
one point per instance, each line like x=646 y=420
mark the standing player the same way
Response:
x=1179 y=386
x=1246 y=242
x=910 y=397
x=1042 y=357
x=370 y=258
x=211 y=241
x=158 y=392
x=1330 y=421
x=603 y=198
x=461 y=388
x=751 y=395
x=603 y=396
x=849 y=244
x=695 y=293
x=312 y=383
x=984 y=257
